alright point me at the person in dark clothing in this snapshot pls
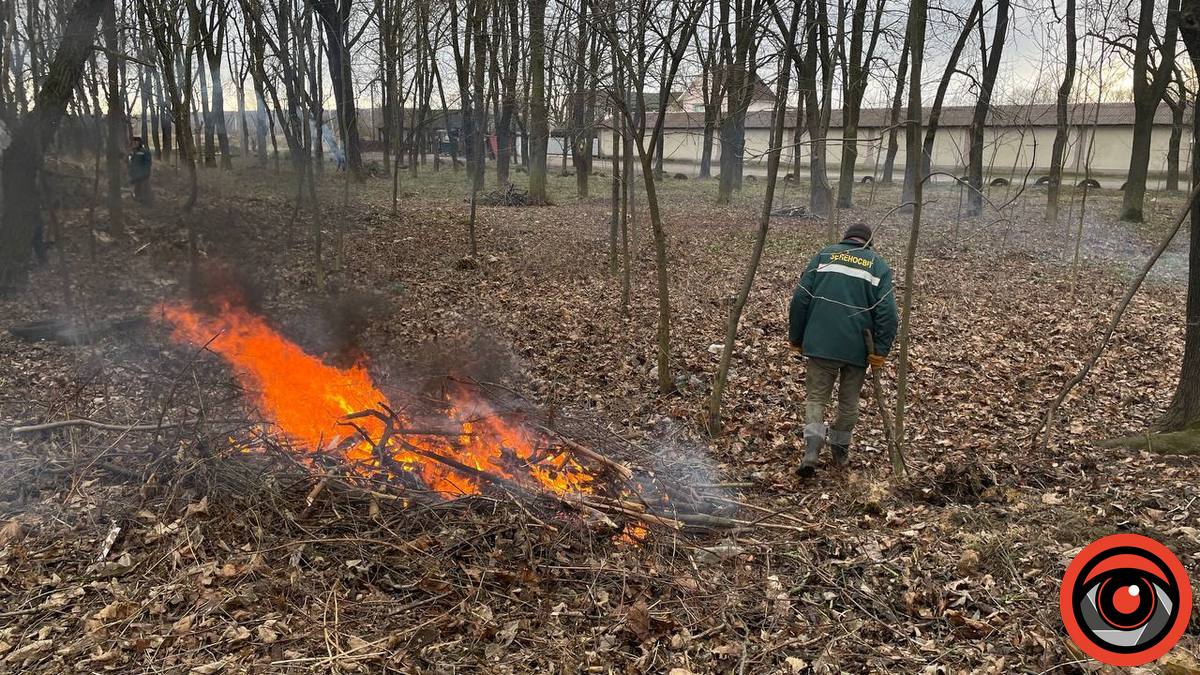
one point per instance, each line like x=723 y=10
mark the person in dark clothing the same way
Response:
x=139 y=171
x=845 y=291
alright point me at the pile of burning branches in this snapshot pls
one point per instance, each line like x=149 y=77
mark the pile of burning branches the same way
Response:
x=338 y=423
x=555 y=471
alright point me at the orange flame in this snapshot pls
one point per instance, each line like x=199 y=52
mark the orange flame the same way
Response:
x=308 y=400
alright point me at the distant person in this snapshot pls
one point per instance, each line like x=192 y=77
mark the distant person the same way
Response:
x=339 y=157
x=845 y=291
x=139 y=171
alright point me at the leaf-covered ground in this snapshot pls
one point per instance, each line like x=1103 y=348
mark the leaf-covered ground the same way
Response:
x=171 y=551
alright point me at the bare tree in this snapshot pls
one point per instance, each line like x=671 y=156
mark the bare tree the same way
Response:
x=505 y=138
x=935 y=110
x=675 y=24
x=1177 y=101
x=817 y=63
x=176 y=53
x=1184 y=410
x=916 y=43
x=115 y=133
x=712 y=90
x=22 y=161
x=893 y=149
x=983 y=106
x=335 y=17
x=764 y=219
x=1062 y=130
x=738 y=55
x=857 y=73
x=1149 y=83
x=213 y=28
x=539 y=136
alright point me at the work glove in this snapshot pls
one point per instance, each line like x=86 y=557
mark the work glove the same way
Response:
x=876 y=361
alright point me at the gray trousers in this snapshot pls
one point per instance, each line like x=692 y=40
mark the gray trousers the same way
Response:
x=818 y=384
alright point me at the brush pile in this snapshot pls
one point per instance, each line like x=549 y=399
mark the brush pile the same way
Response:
x=508 y=195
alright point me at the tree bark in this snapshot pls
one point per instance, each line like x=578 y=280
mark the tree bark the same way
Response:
x=760 y=239
x=508 y=109
x=983 y=105
x=740 y=86
x=889 y=162
x=816 y=110
x=935 y=111
x=916 y=42
x=206 y=119
x=1178 y=107
x=214 y=41
x=858 y=72
x=115 y=134
x=539 y=136
x=22 y=161
x=335 y=16
x=479 y=128
x=1062 y=132
x=1148 y=90
x=1184 y=410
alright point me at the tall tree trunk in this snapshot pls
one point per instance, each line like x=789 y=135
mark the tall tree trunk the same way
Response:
x=22 y=161
x=1184 y=410
x=706 y=149
x=855 y=87
x=817 y=121
x=335 y=15
x=218 y=113
x=210 y=148
x=982 y=107
x=798 y=130
x=889 y=162
x=578 y=104
x=912 y=162
x=166 y=119
x=1062 y=131
x=504 y=127
x=1148 y=89
x=935 y=111
x=317 y=85
x=740 y=86
x=145 y=105
x=1178 y=108
x=760 y=239
x=387 y=81
x=664 y=94
x=260 y=126
x=539 y=136
x=479 y=128
x=116 y=121
x=711 y=89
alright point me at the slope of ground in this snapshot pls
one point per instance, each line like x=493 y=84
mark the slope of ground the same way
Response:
x=230 y=562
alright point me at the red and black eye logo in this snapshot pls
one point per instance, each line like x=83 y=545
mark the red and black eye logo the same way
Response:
x=1125 y=600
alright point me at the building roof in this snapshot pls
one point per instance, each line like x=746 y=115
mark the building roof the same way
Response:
x=1038 y=115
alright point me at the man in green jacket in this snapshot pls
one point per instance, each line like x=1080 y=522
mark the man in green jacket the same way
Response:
x=139 y=171
x=845 y=291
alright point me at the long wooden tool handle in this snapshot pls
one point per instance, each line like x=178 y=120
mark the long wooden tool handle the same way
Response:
x=894 y=452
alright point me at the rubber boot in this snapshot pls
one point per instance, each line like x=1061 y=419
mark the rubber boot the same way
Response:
x=808 y=465
x=841 y=455
x=839 y=443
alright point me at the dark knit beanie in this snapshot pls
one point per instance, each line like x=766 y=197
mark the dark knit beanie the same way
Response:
x=858 y=231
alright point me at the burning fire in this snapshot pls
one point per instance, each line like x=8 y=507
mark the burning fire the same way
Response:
x=309 y=400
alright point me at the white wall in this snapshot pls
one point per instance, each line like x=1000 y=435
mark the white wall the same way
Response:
x=1007 y=150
